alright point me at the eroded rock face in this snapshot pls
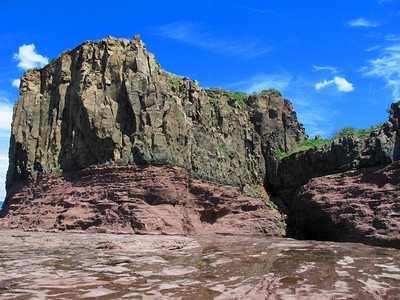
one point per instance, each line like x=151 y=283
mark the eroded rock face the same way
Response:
x=136 y=199
x=381 y=147
x=111 y=102
x=359 y=206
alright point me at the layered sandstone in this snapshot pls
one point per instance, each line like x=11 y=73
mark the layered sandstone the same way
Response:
x=136 y=199
x=355 y=206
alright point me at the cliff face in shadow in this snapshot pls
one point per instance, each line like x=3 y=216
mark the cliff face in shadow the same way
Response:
x=347 y=190
x=380 y=147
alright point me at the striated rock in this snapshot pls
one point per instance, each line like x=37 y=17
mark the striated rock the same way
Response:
x=103 y=139
x=359 y=206
x=136 y=199
x=110 y=102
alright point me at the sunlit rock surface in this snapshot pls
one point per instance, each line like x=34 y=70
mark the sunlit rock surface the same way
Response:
x=109 y=266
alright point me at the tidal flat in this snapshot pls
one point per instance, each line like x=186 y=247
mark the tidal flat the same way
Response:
x=44 y=265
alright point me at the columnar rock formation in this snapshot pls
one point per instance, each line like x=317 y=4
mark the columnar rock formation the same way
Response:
x=110 y=103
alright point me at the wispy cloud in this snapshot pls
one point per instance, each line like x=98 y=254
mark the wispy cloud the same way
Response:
x=313 y=114
x=265 y=82
x=325 y=68
x=341 y=83
x=261 y=82
x=361 y=22
x=193 y=34
x=387 y=67
x=3 y=172
x=6 y=112
x=28 y=57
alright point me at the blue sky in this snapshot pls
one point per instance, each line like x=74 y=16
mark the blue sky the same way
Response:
x=337 y=61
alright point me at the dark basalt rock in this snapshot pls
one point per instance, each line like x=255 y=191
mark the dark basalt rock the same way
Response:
x=345 y=191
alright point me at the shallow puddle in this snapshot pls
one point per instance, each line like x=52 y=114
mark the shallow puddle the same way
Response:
x=108 y=266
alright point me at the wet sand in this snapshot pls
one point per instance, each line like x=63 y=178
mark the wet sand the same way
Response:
x=38 y=265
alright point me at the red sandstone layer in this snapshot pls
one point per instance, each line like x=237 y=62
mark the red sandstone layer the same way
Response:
x=134 y=199
x=359 y=206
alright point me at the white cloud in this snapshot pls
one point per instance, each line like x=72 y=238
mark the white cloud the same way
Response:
x=6 y=112
x=341 y=83
x=261 y=82
x=16 y=83
x=325 y=68
x=361 y=22
x=192 y=33
x=320 y=85
x=387 y=67
x=29 y=58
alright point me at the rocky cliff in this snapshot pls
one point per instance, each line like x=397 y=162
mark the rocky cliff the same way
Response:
x=347 y=190
x=110 y=103
x=104 y=139
x=380 y=147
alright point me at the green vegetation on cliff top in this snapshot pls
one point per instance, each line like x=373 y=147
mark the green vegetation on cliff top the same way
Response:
x=345 y=131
